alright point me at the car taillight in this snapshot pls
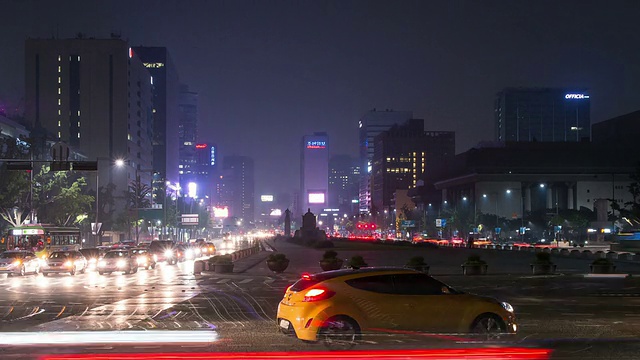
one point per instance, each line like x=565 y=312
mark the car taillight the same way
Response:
x=317 y=295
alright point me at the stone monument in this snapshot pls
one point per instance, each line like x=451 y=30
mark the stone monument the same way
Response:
x=309 y=231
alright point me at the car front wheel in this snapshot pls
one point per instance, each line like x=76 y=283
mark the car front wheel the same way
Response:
x=488 y=326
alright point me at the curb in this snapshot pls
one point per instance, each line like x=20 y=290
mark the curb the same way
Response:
x=607 y=276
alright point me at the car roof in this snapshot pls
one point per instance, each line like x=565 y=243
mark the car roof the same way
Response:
x=328 y=275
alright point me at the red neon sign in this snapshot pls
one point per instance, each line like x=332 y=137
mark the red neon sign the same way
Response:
x=201 y=146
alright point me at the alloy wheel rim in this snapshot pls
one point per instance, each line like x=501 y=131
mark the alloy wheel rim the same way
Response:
x=339 y=333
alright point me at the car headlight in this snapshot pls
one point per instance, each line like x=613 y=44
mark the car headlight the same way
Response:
x=16 y=263
x=121 y=263
x=102 y=263
x=155 y=257
x=68 y=263
x=188 y=253
x=507 y=306
x=92 y=261
x=198 y=251
x=168 y=253
x=142 y=260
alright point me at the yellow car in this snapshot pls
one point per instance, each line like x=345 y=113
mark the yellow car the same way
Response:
x=338 y=306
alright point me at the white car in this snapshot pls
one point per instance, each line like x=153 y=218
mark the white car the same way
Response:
x=19 y=262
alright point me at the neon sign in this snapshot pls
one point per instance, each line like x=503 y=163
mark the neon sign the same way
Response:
x=576 y=96
x=316 y=144
x=157 y=65
x=201 y=146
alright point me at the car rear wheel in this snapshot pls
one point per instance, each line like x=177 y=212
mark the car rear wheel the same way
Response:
x=488 y=326
x=339 y=333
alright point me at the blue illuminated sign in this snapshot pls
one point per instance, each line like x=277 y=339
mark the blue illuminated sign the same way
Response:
x=576 y=96
x=213 y=155
x=316 y=144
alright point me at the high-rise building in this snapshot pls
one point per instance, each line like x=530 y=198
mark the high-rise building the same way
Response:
x=187 y=134
x=404 y=155
x=344 y=179
x=542 y=115
x=204 y=170
x=165 y=111
x=370 y=125
x=314 y=172
x=96 y=96
x=237 y=188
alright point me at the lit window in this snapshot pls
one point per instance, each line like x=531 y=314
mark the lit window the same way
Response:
x=59 y=58
x=78 y=112
x=59 y=91
x=59 y=123
x=59 y=80
x=128 y=136
x=59 y=102
x=59 y=134
x=78 y=123
x=154 y=111
x=59 y=68
x=78 y=135
x=59 y=112
x=78 y=57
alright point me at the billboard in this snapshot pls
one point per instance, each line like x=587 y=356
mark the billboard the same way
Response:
x=220 y=212
x=266 y=198
x=316 y=198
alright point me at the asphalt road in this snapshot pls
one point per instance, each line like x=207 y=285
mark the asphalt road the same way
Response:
x=578 y=317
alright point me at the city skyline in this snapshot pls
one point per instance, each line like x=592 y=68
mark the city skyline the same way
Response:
x=279 y=84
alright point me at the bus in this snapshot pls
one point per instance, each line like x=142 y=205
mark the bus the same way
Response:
x=42 y=239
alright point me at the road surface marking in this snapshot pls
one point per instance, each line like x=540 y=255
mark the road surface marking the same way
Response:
x=245 y=281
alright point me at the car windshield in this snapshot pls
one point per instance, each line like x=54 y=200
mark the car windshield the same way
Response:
x=90 y=253
x=61 y=255
x=11 y=255
x=139 y=251
x=116 y=254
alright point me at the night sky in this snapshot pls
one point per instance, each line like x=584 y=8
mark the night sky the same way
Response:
x=269 y=72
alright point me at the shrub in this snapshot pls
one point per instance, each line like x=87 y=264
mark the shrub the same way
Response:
x=475 y=259
x=357 y=262
x=542 y=258
x=602 y=262
x=329 y=254
x=277 y=258
x=324 y=244
x=221 y=260
x=416 y=261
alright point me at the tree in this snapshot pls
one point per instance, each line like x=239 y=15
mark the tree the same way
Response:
x=137 y=198
x=60 y=197
x=15 y=198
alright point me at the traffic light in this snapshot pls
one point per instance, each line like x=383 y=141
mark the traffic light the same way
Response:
x=19 y=165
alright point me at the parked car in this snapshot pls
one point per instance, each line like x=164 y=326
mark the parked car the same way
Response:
x=144 y=258
x=70 y=262
x=19 y=262
x=118 y=260
x=337 y=306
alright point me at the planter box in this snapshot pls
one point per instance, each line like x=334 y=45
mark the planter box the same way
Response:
x=543 y=269
x=603 y=269
x=474 y=269
x=331 y=265
x=278 y=266
x=421 y=268
x=223 y=268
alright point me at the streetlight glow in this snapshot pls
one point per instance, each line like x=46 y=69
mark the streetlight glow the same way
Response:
x=484 y=195
x=119 y=162
x=508 y=191
x=464 y=198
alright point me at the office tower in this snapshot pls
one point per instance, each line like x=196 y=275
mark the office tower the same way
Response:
x=165 y=111
x=96 y=96
x=404 y=155
x=314 y=172
x=542 y=115
x=370 y=125
x=237 y=190
x=187 y=134
x=344 y=179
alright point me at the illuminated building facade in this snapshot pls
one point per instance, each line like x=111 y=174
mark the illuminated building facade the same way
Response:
x=404 y=155
x=314 y=172
x=370 y=125
x=542 y=115
x=187 y=135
